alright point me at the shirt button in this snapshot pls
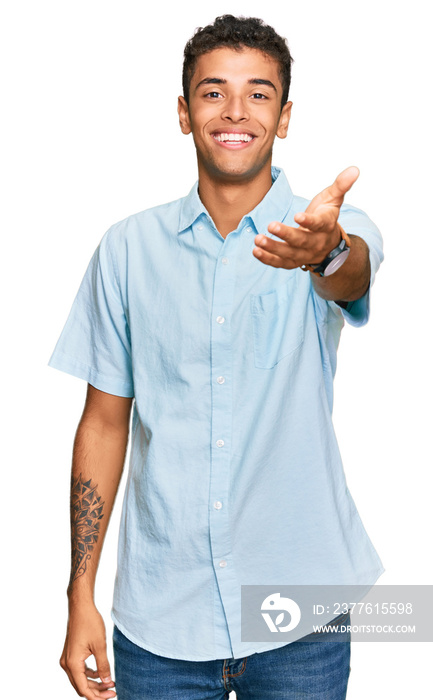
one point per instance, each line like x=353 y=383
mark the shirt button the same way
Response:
x=249 y=229
x=217 y=505
x=224 y=261
x=200 y=227
x=220 y=319
x=220 y=380
x=220 y=443
x=223 y=563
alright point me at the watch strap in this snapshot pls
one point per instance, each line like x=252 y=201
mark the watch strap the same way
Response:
x=316 y=269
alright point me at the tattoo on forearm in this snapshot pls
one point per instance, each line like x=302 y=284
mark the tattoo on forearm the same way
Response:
x=86 y=513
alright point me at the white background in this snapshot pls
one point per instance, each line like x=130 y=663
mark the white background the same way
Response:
x=90 y=135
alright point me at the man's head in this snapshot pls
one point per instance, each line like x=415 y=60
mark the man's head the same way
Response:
x=235 y=103
x=237 y=33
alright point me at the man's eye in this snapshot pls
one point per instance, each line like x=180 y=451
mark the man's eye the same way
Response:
x=259 y=95
x=213 y=94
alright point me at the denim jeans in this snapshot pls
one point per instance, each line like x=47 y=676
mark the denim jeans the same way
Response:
x=311 y=669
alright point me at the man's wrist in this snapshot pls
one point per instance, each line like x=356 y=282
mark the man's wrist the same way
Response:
x=80 y=591
x=352 y=280
x=334 y=259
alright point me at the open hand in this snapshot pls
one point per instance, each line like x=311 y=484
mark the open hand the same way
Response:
x=318 y=232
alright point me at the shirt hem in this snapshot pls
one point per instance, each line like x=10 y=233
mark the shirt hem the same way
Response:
x=109 y=386
x=155 y=649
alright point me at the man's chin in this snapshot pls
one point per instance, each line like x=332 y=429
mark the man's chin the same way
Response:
x=236 y=172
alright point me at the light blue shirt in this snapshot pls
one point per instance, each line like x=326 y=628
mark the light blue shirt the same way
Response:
x=235 y=475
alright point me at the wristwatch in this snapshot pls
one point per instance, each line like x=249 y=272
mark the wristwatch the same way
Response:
x=333 y=260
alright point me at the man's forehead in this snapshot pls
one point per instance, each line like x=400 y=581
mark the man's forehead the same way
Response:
x=230 y=64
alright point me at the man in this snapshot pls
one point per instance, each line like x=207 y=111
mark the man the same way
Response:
x=220 y=314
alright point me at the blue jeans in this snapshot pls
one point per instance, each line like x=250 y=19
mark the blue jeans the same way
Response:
x=309 y=670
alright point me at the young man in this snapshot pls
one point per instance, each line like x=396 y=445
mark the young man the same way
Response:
x=220 y=314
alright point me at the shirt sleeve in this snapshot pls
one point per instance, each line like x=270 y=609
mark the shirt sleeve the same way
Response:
x=95 y=342
x=356 y=222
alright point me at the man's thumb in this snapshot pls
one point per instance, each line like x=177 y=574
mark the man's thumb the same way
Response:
x=346 y=179
x=102 y=665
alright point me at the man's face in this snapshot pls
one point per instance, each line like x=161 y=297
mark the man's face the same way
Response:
x=234 y=112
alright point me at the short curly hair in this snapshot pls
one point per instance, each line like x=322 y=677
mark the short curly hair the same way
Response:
x=237 y=33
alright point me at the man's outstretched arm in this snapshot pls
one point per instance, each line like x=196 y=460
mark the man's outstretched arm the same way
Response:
x=317 y=235
x=98 y=459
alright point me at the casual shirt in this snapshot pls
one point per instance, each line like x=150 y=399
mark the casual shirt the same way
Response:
x=235 y=475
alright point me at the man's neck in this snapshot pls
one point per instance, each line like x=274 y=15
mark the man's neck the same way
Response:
x=228 y=201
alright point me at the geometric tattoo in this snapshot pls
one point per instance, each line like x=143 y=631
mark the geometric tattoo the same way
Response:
x=86 y=512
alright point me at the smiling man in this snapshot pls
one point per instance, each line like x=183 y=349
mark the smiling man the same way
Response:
x=218 y=317
x=234 y=106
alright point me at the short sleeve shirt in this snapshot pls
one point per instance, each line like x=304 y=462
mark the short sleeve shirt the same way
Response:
x=235 y=475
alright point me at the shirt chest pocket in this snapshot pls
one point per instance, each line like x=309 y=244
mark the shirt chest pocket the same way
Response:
x=278 y=324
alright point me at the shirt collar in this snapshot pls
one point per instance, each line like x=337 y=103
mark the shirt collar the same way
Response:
x=273 y=207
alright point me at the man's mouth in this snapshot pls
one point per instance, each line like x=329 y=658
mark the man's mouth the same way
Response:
x=233 y=140
x=233 y=137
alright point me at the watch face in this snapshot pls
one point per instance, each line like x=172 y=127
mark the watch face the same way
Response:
x=336 y=263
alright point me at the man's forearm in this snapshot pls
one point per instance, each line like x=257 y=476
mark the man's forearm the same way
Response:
x=351 y=280
x=98 y=460
x=97 y=465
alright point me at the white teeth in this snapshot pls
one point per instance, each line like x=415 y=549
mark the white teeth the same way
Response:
x=233 y=137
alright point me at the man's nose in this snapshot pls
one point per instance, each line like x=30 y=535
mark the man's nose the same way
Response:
x=235 y=110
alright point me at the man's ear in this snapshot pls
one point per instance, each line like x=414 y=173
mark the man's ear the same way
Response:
x=183 y=112
x=283 y=123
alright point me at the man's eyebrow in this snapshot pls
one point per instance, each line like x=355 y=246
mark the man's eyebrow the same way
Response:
x=211 y=81
x=261 y=81
x=222 y=81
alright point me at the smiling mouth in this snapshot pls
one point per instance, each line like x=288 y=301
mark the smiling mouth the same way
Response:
x=233 y=140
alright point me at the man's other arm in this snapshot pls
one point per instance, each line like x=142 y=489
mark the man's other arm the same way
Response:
x=98 y=460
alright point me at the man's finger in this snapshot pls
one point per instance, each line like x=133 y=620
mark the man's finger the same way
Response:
x=344 y=181
x=292 y=235
x=102 y=664
x=78 y=673
x=101 y=691
x=91 y=673
x=316 y=222
x=274 y=260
